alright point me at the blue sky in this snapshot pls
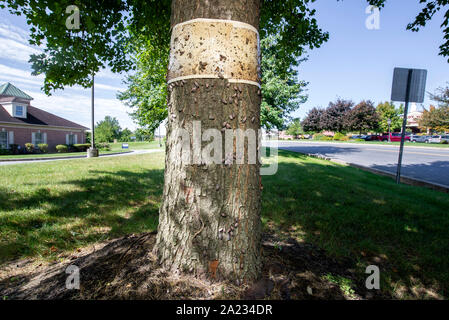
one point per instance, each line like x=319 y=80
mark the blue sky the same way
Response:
x=356 y=63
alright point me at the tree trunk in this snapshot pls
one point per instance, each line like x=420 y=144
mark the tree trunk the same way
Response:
x=209 y=222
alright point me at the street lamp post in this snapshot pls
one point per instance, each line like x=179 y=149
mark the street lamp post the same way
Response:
x=92 y=152
x=389 y=130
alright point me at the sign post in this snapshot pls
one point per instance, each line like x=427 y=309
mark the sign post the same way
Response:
x=409 y=85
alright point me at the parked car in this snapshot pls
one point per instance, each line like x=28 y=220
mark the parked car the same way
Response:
x=356 y=136
x=394 y=137
x=372 y=137
x=439 y=139
x=416 y=138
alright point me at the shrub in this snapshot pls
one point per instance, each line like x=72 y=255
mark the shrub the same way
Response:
x=62 y=148
x=339 y=136
x=444 y=142
x=359 y=140
x=14 y=148
x=43 y=147
x=104 y=146
x=4 y=152
x=29 y=147
x=81 y=147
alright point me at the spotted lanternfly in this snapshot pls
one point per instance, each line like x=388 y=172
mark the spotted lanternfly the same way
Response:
x=207 y=86
x=231 y=117
x=253 y=119
x=196 y=84
x=228 y=126
x=194 y=89
x=217 y=187
x=224 y=101
x=224 y=124
x=211 y=118
x=244 y=120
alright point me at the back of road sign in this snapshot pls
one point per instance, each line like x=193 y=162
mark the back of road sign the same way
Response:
x=417 y=85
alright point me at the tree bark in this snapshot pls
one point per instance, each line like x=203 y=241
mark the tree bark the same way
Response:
x=209 y=222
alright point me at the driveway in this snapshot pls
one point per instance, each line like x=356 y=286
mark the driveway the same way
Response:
x=429 y=164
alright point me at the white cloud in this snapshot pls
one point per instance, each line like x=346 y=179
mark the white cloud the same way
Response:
x=14 y=33
x=13 y=50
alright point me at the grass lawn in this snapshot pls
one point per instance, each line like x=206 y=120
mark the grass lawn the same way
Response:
x=115 y=147
x=355 y=216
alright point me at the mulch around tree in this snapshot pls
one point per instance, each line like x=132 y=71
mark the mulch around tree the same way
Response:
x=126 y=268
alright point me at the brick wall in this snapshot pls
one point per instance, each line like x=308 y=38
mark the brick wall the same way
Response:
x=54 y=137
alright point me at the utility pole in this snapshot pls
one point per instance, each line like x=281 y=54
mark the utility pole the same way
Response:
x=389 y=130
x=92 y=152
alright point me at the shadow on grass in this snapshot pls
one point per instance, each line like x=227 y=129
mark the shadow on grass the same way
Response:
x=366 y=219
x=343 y=219
x=79 y=212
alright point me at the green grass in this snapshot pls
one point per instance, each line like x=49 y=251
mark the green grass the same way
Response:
x=49 y=208
x=363 y=217
x=355 y=216
x=115 y=147
x=137 y=145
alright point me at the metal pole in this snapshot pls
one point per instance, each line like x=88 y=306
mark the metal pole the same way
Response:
x=160 y=139
x=404 y=125
x=389 y=131
x=92 y=140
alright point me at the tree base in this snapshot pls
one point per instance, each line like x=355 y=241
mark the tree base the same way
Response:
x=92 y=153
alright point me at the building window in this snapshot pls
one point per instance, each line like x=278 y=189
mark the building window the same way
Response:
x=3 y=140
x=19 y=111
x=71 y=139
x=39 y=138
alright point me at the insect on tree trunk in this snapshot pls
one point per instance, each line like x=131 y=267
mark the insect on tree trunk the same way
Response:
x=209 y=222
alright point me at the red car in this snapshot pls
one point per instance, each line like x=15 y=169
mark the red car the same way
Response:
x=395 y=137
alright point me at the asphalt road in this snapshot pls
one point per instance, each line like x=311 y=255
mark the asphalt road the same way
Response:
x=429 y=164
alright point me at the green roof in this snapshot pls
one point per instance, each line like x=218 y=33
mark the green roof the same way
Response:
x=9 y=90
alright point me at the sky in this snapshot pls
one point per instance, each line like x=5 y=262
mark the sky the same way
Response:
x=356 y=63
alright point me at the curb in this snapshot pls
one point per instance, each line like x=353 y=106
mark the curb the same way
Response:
x=364 y=144
x=61 y=158
x=404 y=179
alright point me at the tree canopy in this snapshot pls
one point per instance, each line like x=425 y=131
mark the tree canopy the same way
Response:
x=108 y=28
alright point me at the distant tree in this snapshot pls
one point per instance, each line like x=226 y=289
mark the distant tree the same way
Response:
x=107 y=130
x=144 y=135
x=125 y=135
x=363 y=118
x=386 y=111
x=295 y=128
x=334 y=116
x=312 y=122
x=437 y=118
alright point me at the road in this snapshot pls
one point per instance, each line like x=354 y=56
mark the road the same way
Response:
x=428 y=164
x=5 y=163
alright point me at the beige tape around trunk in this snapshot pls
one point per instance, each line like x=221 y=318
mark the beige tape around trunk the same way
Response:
x=213 y=48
